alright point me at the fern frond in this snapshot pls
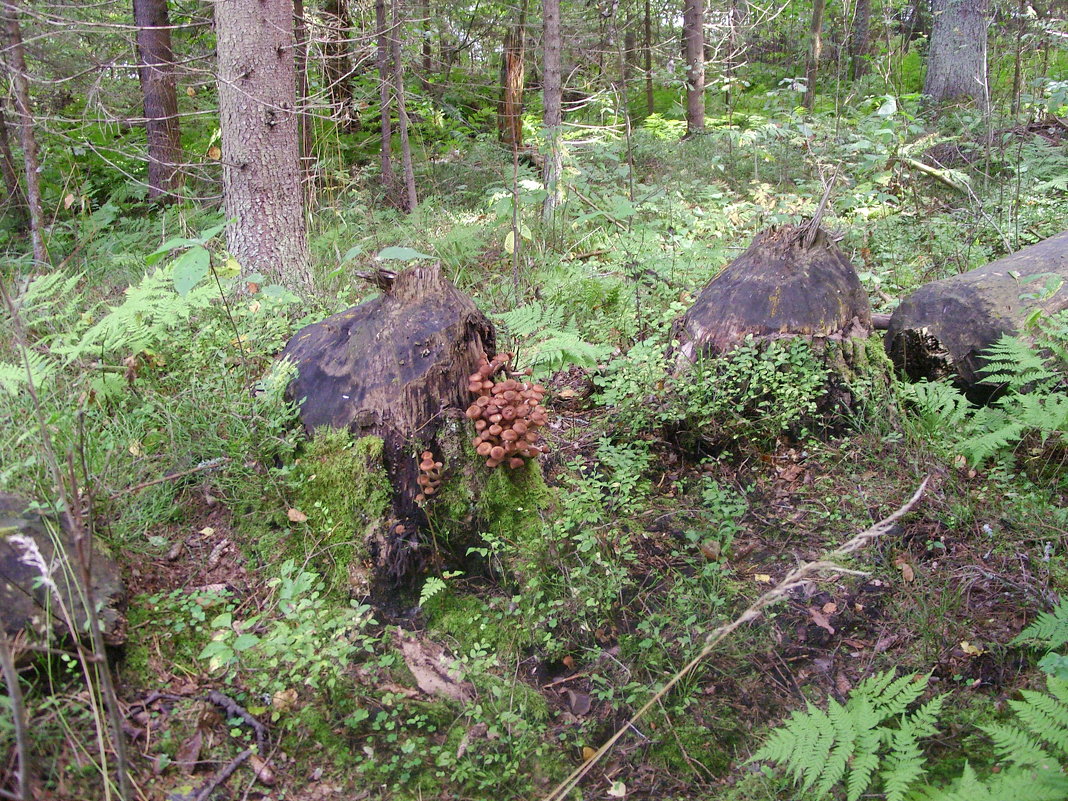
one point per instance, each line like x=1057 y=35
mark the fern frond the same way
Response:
x=1014 y=745
x=1045 y=717
x=1016 y=364
x=939 y=404
x=13 y=376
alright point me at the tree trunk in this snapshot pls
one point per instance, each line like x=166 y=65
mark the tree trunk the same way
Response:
x=510 y=110
x=389 y=177
x=647 y=46
x=16 y=200
x=258 y=119
x=956 y=63
x=552 y=93
x=410 y=199
x=16 y=67
x=428 y=66
x=860 y=40
x=156 y=72
x=815 y=50
x=337 y=63
x=941 y=328
x=693 y=32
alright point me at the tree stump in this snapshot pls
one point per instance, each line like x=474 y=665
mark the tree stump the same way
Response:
x=28 y=603
x=395 y=368
x=941 y=328
x=782 y=286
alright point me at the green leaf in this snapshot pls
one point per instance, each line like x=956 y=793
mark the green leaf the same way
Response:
x=168 y=246
x=245 y=641
x=190 y=269
x=353 y=252
x=214 y=231
x=509 y=242
x=223 y=621
x=401 y=254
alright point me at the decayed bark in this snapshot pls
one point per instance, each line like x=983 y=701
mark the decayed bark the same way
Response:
x=410 y=199
x=552 y=93
x=815 y=50
x=510 y=109
x=940 y=329
x=956 y=62
x=261 y=159
x=860 y=40
x=389 y=177
x=337 y=62
x=160 y=96
x=693 y=32
x=16 y=66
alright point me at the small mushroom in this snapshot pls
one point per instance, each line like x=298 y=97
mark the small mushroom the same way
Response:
x=515 y=463
x=484 y=449
x=497 y=452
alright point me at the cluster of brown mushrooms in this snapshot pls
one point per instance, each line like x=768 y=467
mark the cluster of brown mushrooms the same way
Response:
x=507 y=413
x=429 y=476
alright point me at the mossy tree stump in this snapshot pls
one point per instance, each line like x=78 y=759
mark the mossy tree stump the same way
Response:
x=396 y=368
x=941 y=328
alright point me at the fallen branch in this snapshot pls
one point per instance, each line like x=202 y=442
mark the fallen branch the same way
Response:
x=235 y=710
x=212 y=784
x=792 y=579
x=208 y=465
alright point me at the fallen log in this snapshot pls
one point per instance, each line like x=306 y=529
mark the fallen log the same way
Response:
x=941 y=329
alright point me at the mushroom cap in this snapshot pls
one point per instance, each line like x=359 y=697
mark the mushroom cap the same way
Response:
x=430 y=490
x=508 y=413
x=483 y=449
x=519 y=426
x=495 y=430
x=515 y=463
x=480 y=424
x=509 y=435
x=496 y=452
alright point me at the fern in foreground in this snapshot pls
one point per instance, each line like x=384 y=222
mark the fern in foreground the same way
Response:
x=855 y=741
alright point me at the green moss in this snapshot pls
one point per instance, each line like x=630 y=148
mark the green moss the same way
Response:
x=342 y=486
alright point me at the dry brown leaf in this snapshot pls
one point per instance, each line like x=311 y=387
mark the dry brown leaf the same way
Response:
x=830 y=608
x=296 y=516
x=579 y=702
x=908 y=575
x=263 y=770
x=821 y=620
x=588 y=753
x=284 y=700
x=432 y=668
x=188 y=753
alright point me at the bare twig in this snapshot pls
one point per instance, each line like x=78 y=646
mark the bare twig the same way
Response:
x=18 y=713
x=212 y=784
x=208 y=465
x=234 y=709
x=792 y=580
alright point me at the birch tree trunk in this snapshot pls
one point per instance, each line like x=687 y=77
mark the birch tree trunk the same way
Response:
x=693 y=32
x=258 y=119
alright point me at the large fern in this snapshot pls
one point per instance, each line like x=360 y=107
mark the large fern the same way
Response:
x=856 y=741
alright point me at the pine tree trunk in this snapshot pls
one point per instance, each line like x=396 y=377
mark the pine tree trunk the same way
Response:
x=16 y=67
x=304 y=120
x=860 y=40
x=410 y=199
x=693 y=31
x=156 y=73
x=389 y=177
x=337 y=63
x=956 y=62
x=552 y=92
x=258 y=119
x=510 y=109
x=815 y=50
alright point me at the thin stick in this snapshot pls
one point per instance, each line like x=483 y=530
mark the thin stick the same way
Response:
x=18 y=712
x=212 y=784
x=792 y=579
x=208 y=465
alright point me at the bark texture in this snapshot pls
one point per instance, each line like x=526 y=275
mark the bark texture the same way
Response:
x=16 y=67
x=860 y=40
x=16 y=200
x=337 y=61
x=693 y=34
x=956 y=62
x=258 y=118
x=940 y=329
x=155 y=71
x=410 y=198
x=815 y=51
x=778 y=287
x=552 y=95
x=510 y=109
x=391 y=368
x=385 y=101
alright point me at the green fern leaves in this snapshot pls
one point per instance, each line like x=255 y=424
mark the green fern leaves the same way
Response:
x=856 y=742
x=549 y=339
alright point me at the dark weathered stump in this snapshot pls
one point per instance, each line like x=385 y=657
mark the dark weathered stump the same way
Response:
x=35 y=604
x=782 y=286
x=940 y=329
x=397 y=368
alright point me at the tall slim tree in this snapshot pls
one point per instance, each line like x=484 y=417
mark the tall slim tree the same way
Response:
x=16 y=200
x=693 y=34
x=408 y=170
x=552 y=95
x=647 y=49
x=16 y=68
x=258 y=119
x=956 y=61
x=385 y=97
x=155 y=70
x=337 y=61
x=815 y=51
x=860 y=39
